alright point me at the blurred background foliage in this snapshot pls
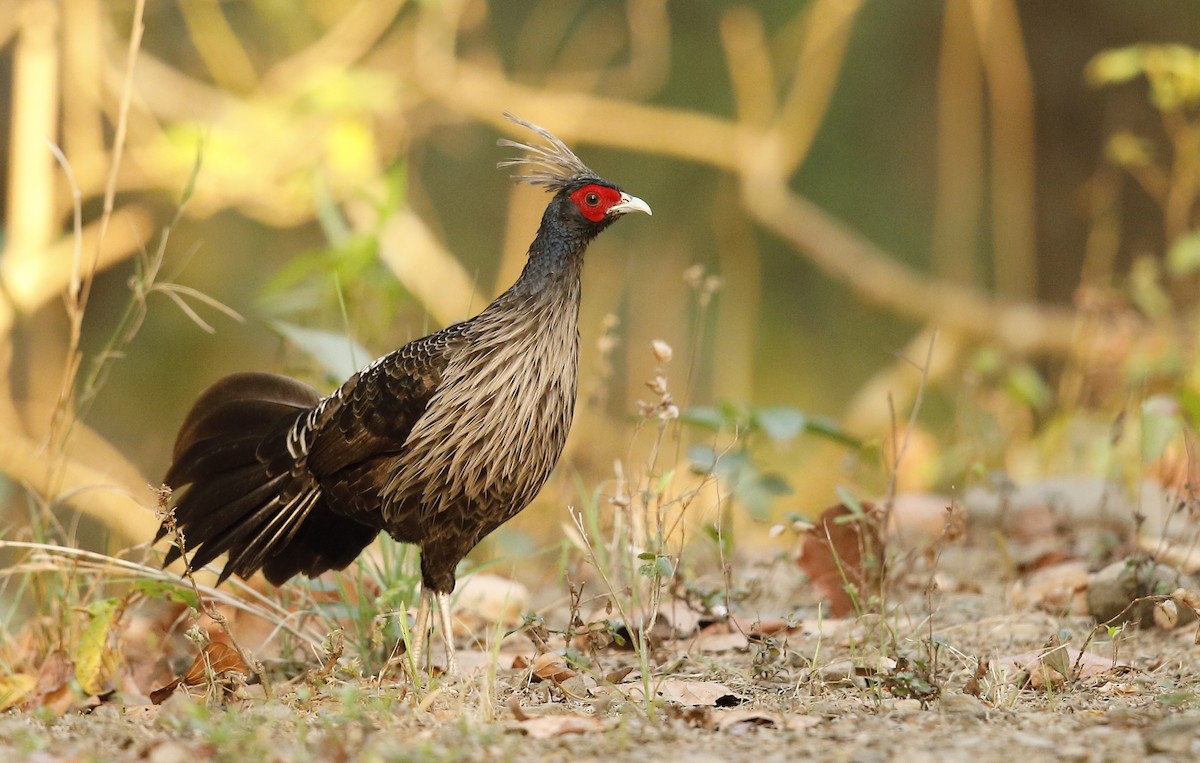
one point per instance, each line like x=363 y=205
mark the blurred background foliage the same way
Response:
x=833 y=182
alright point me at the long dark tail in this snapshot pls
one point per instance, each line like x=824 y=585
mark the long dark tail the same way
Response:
x=242 y=490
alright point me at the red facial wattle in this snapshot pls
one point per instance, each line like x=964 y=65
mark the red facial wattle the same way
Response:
x=594 y=200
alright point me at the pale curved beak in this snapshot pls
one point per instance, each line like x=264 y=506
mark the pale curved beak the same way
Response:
x=629 y=204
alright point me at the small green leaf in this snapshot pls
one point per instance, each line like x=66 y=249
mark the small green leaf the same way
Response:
x=166 y=589
x=850 y=501
x=663 y=567
x=659 y=567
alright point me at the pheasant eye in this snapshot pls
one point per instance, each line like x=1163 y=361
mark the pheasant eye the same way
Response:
x=593 y=200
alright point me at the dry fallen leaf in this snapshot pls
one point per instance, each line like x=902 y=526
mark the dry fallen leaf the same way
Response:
x=618 y=675
x=53 y=689
x=14 y=688
x=1048 y=667
x=95 y=660
x=844 y=549
x=548 y=726
x=160 y=695
x=220 y=657
x=552 y=667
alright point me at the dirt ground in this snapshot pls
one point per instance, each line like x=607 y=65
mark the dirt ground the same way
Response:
x=955 y=671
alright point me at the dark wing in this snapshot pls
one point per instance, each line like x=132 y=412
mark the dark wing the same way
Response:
x=357 y=431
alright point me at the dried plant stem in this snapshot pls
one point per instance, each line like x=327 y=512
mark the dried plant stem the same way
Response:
x=79 y=288
x=898 y=451
x=115 y=568
x=206 y=606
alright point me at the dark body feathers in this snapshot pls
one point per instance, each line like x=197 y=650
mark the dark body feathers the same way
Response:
x=437 y=443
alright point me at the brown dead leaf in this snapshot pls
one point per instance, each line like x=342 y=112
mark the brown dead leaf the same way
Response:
x=221 y=658
x=56 y=671
x=53 y=688
x=1166 y=614
x=552 y=667
x=549 y=726
x=161 y=694
x=618 y=675
x=844 y=549
x=1049 y=667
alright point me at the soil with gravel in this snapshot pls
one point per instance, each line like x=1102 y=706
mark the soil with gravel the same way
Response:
x=953 y=672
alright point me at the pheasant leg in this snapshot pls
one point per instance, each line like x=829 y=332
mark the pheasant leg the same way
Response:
x=443 y=600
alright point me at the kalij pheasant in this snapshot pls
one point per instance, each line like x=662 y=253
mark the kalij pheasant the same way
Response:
x=437 y=443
